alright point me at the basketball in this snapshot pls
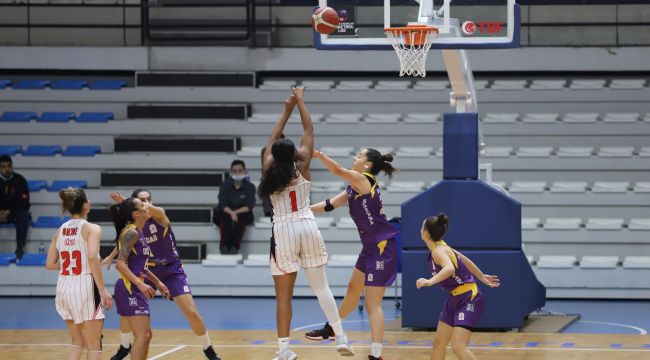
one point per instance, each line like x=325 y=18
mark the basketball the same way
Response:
x=325 y=20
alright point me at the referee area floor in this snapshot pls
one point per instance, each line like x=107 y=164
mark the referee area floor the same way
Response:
x=244 y=328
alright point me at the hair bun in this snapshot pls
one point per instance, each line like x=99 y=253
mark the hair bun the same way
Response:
x=442 y=219
x=387 y=157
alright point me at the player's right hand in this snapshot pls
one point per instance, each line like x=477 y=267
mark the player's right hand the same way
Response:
x=106 y=298
x=298 y=92
x=290 y=103
x=116 y=197
x=422 y=282
x=316 y=154
x=147 y=290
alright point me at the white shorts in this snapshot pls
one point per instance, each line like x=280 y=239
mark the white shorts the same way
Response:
x=298 y=243
x=77 y=299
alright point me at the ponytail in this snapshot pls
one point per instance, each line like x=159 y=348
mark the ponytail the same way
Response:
x=380 y=162
x=122 y=214
x=282 y=170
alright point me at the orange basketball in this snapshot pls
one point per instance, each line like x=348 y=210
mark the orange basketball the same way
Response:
x=325 y=20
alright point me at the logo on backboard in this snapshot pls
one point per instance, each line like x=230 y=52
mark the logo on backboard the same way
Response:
x=469 y=27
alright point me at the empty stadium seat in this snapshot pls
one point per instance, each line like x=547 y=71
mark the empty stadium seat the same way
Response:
x=393 y=85
x=55 y=116
x=405 y=186
x=498 y=151
x=562 y=223
x=421 y=118
x=644 y=151
x=340 y=260
x=414 y=151
x=616 y=151
x=31 y=84
x=337 y=150
x=107 y=84
x=540 y=117
x=42 y=150
x=36 y=185
x=569 y=187
x=5 y=83
x=264 y=223
x=548 y=84
x=277 y=85
x=621 y=117
x=639 y=224
x=222 y=260
x=500 y=118
x=534 y=151
x=94 y=117
x=328 y=186
x=599 y=262
x=82 y=150
x=10 y=150
x=6 y=258
x=264 y=118
x=556 y=262
x=17 y=116
x=575 y=151
x=250 y=151
x=530 y=223
x=509 y=84
x=62 y=184
x=527 y=186
x=354 y=85
x=636 y=262
x=49 y=222
x=642 y=187
x=595 y=84
x=627 y=84
x=610 y=186
x=257 y=260
x=382 y=118
x=346 y=223
x=69 y=84
x=384 y=149
x=349 y=118
x=324 y=222
x=481 y=84
x=32 y=260
x=604 y=224
x=580 y=117
x=431 y=85
x=318 y=84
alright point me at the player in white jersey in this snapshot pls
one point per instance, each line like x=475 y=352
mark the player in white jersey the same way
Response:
x=81 y=293
x=296 y=240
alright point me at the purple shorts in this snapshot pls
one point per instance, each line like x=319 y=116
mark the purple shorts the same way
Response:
x=132 y=303
x=462 y=310
x=173 y=276
x=380 y=266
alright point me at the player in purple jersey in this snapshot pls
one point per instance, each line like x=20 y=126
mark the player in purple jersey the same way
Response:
x=168 y=267
x=376 y=267
x=456 y=274
x=132 y=294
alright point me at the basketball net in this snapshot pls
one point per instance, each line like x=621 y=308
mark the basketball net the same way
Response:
x=412 y=44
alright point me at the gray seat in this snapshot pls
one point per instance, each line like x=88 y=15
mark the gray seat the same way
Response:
x=556 y=262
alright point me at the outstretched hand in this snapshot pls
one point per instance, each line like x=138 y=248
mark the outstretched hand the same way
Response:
x=298 y=92
x=290 y=103
x=117 y=197
x=316 y=154
x=491 y=281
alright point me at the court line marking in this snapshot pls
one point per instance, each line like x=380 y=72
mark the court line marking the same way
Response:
x=641 y=331
x=343 y=322
x=247 y=346
x=179 y=347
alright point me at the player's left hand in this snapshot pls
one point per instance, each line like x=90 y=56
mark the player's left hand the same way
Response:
x=422 y=282
x=163 y=290
x=491 y=281
x=316 y=154
x=117 y=197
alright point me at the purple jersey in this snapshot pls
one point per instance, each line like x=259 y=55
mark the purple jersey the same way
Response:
x=367 y=211
x=461 y=275
x=138 y=257
x=162 y=242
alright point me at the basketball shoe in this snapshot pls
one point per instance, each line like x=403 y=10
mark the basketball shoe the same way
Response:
x=321 y=334
x=122 y=352
x=286 y=354
x=210 y=354
x=370 y=357
x=343 y=346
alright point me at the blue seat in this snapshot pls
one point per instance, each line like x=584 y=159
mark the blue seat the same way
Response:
x=4 y=83
x=107 y=84
x=17 y=116
x=49 y=222
x=7 y=258
x=10 y=149
x=54 y=116
x=82 y=150
x=31 y=84
x=95 y=117
x=7 y=225
x=32 y=259
x=36 y=185
x=69 y=84
x=62 y=184
x=42 y=150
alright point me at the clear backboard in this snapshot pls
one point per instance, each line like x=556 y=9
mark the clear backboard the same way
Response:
x=462 y=24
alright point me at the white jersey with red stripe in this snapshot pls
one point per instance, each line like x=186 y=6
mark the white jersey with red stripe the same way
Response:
x=77 y=296
x=297 y=240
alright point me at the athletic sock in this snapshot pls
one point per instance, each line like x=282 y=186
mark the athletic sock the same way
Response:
x=337 y=327
x=283 y=343
x=375 y=349
x=204 y=340
x=125 y=339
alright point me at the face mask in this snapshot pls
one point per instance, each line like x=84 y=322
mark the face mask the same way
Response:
x=238 y=177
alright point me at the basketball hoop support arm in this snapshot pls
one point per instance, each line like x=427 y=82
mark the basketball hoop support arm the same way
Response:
x=462 y=95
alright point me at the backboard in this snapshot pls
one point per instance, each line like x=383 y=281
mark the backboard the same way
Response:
x=462 y=24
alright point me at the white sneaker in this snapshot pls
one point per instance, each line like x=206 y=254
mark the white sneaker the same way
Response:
x=343 y=346
x=286 y=354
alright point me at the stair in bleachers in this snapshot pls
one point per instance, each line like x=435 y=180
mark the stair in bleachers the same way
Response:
x=246 y=79
x=151 y=179
x=102 y=215
x=176 y=144
x=169 y=111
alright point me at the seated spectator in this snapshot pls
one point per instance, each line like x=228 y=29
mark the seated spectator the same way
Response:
x=14 y=202
x=235 y=209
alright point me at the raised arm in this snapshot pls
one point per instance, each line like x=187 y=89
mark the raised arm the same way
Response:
x=489 y=280
x=277 y=131
x=337 y=201
x=306 y=150
x=157 y=213
x=94 y=234
x=359 y=182
x=52 y=261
